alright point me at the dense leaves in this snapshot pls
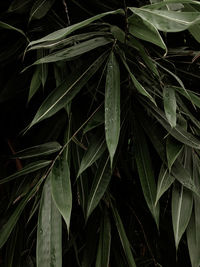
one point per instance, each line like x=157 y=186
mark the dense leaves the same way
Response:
x=100 y=133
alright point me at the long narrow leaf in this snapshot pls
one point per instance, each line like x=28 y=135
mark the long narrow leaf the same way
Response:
x=62 y=95
x=112 y=105
x=57 y=35
x=61 y=189
x=123 y=238
x=99 y=185
x=103 y=253
x=182 y=203
x=169 y=99
x=94 y=151
x=39 y=150
x=145 y=171
x=49 y=231
x=31 y=167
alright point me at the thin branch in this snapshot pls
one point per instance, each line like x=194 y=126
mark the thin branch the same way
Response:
x=66 y=11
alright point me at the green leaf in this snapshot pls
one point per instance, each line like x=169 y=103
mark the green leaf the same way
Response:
x=74 y=51
x=182 y=203
x=49 y=231
x=39 y=150
x=40 y=9
x=94 y=151
x=167 y=21
x=190 y=95
x=9 y=225
x=62 y=95
x=137 y=84
x=99 y=185
x=10 y=27
x=184 y=177
x=61 y=189
x=173 y=150
x=103 y=252
x=158 y=4
x=123 y=238
x=17 y=5
x=59 y=34
x=29 y=168
x=95 y=121
x=193 y=229
x=177 y=132
x=112 y=105
x=35 y=83
x=169 y=99
x=145 y=171
x=144 y=30
x=165 y=180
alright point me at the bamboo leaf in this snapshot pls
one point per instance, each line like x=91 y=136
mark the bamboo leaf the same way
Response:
x=144 y=30
x=123 y=238
x=35 y=83
x=158 y=4
x=103 y=252
x=59 y=34
x=184 y=177
x=165 y=180
x=10 y=27
x=29 y=168
x=61 y=189
x=94 y=151
x=182 y=203
x=145 y=171
x=16 y=5
x=137 y=84
x=193 y=229
x=173 y=149
x=112 y=105
x=49 y=231
x=167 y=21
x=39 y=150
x=169 y=99
x=9 y=225
x=99 y=185
x=40 y=9
x=74 y=51
x=62 y=95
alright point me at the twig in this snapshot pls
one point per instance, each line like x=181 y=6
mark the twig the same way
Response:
x=66 y=11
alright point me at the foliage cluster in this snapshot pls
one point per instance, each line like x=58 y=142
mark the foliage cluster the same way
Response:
x=99 y=133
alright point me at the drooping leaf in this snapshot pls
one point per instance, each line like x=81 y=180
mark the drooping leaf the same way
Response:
x=4 y=25
x=9 y=225
x=35 y=83
x=112 y=105
x=74 y=51
x=103 y=252
x=184 y=177
x=29 y=168
x=99 y=185
x=18 y=5
x=165 y=180
x=123 y=238
x=169 y=99
x=94 y=151
x=177 y=132
x=59 y=34
x=182 y=203
x=49 y=231
x=157 y=4
x=40 y=9
x=173 y=150
x=61 y=189
x=193 y=229
x=167 y=21
x=39 y=150
x=144 y=30
x=62 y=95
x=145 y=171
x=136 y=83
